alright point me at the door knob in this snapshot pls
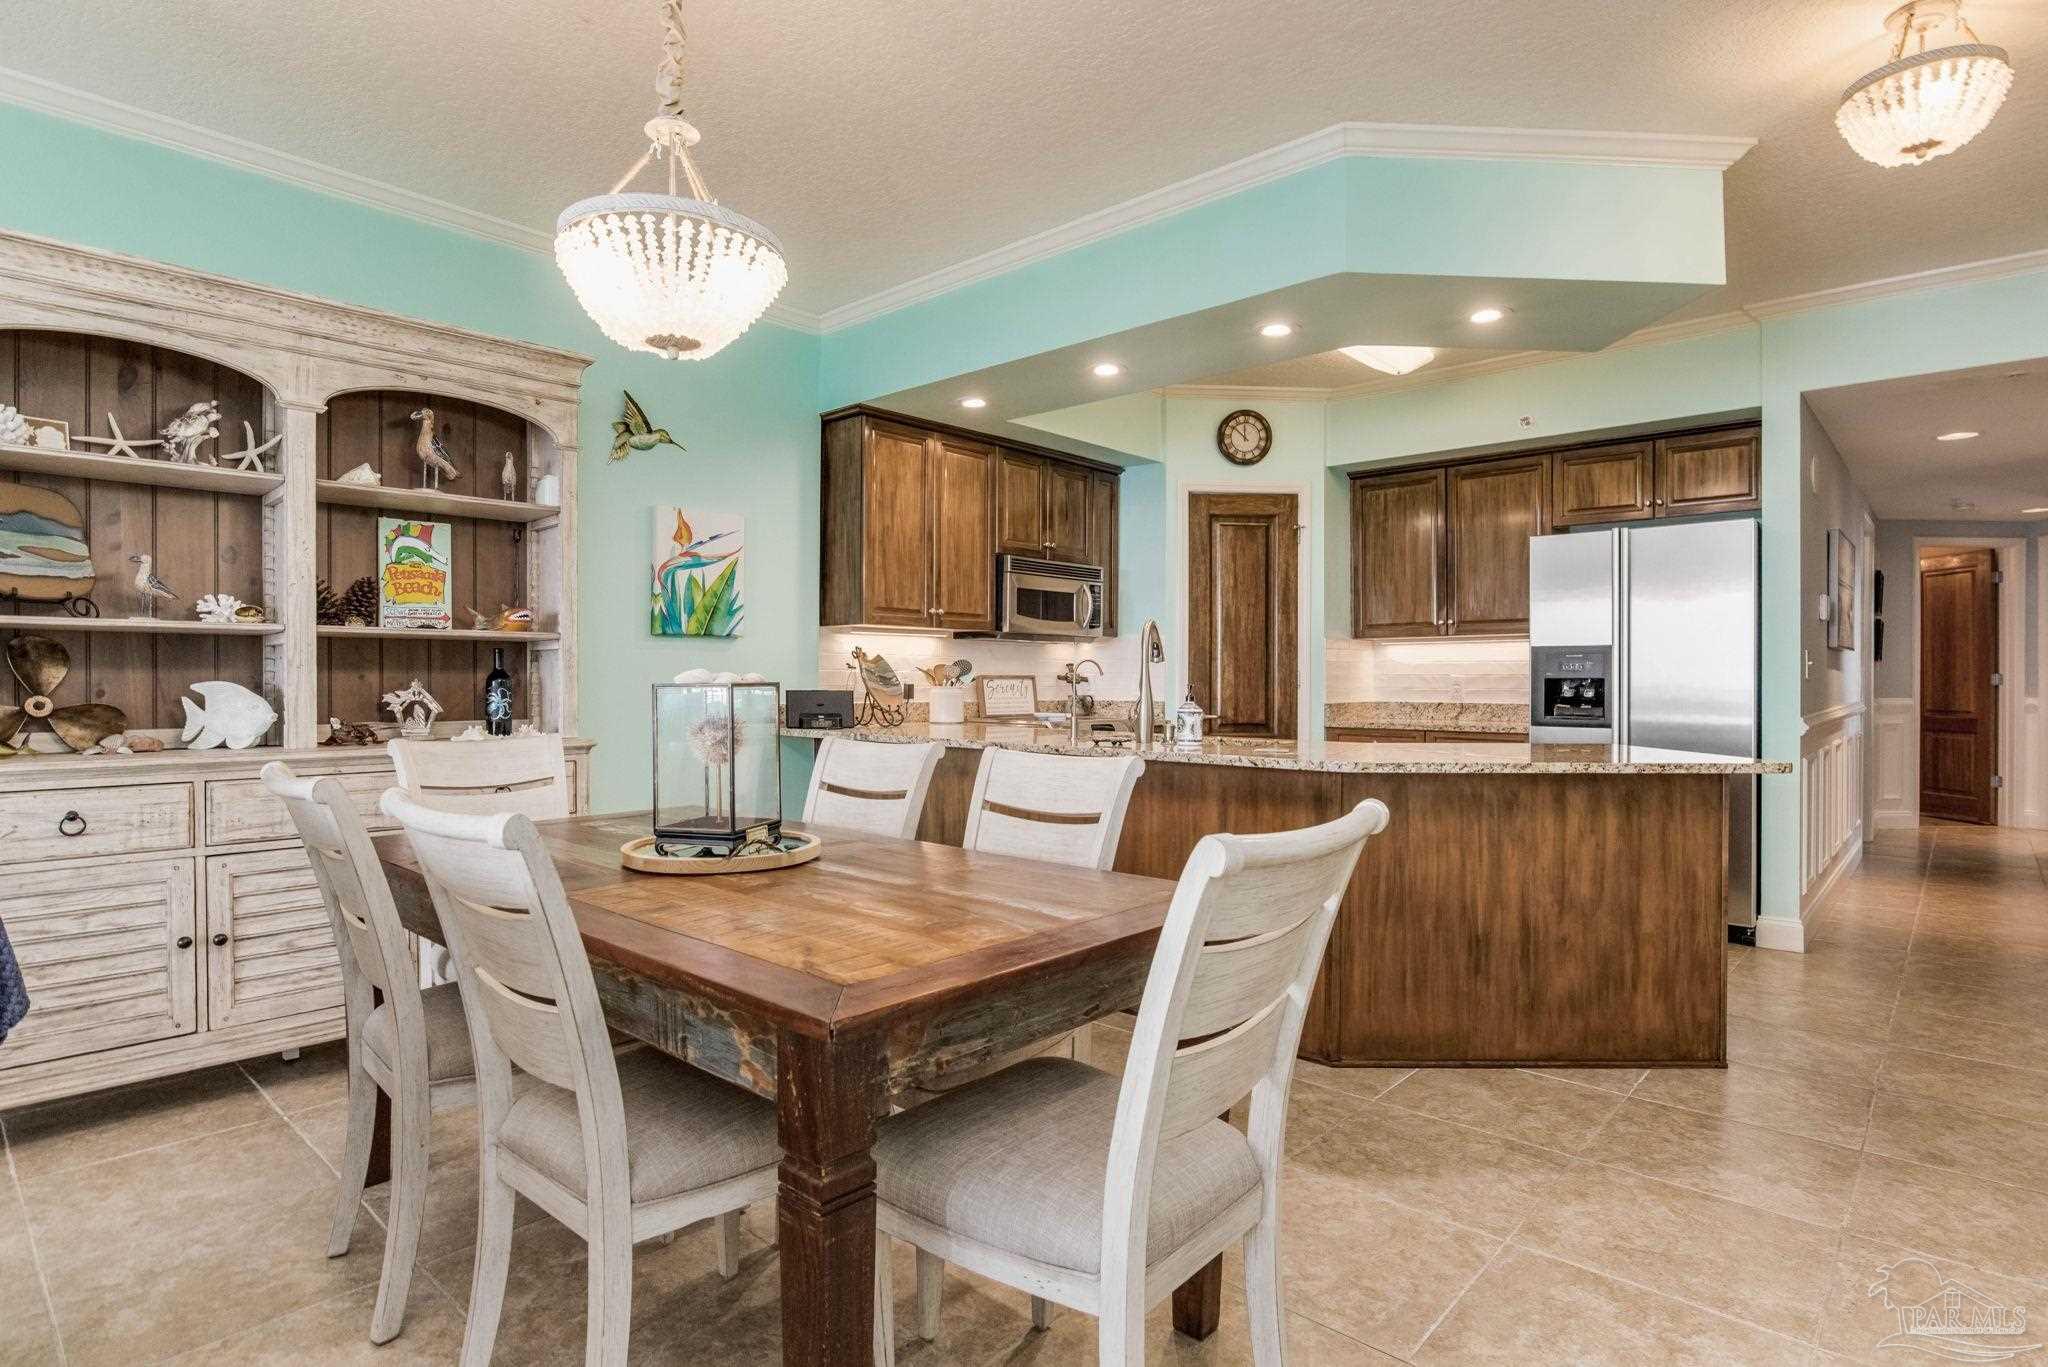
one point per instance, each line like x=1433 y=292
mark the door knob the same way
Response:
x=184 y=942
x=220 y=937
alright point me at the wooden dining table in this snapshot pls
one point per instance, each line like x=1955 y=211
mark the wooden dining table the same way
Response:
x=831 y=987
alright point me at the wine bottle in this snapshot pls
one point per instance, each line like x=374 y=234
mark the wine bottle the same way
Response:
x=498 y=696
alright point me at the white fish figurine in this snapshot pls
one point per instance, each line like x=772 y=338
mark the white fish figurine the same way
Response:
x=232 y=716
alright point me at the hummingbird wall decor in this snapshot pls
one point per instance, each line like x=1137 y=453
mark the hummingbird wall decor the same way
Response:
x=635 y=431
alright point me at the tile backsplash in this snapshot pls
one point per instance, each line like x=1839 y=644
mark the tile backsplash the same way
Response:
x=1427 y=671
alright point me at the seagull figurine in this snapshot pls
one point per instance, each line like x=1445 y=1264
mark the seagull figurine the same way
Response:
x=635 y=432
x=148 y=585
x=433 y=455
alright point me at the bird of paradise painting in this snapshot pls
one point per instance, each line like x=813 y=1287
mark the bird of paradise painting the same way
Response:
x=696 y=585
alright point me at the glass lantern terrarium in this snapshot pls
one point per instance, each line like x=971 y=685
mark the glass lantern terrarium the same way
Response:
x=717 y=768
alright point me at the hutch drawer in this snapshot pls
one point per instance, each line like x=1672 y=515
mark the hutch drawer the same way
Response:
x=109 y=960
x=74 y=823
x=241 y=810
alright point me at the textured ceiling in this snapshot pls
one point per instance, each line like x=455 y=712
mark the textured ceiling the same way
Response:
x=1886 y=433
x=884 y=141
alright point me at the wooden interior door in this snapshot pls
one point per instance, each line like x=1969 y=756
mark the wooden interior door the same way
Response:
x=1958 y=700
x=1397 y=554
x=1242 y=588
x=896 y=550
x=1493 y=508
x=964 y=534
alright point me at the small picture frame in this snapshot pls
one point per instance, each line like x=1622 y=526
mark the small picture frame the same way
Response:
x=48 y=434
x=1007 y=695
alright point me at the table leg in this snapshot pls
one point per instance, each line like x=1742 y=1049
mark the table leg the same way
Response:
x=1198 y=1301
x=828 y=1093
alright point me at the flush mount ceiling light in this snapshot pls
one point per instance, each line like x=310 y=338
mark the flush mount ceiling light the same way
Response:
x=1489 y=315
x=1392 y=360
x=2034 y=510
x=1108 y=369
x=973 y=402
x=1928 y=102
x=678 y=276
x=1956 y=436
x=1276 y=330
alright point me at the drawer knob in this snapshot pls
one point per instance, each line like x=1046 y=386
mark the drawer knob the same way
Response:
x=220 y=937
x=184 y=942
x=71 y=824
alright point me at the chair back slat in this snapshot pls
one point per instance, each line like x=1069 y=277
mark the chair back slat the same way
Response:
x=873 y=786
x=1064 y=809
x=1236 y=981
x=528 y=1030
x=1211 y=1077
x=525 y=774
x=1276 y=895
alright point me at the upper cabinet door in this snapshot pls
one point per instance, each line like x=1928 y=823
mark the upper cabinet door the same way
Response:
x=896 y=546
x=1066 y=513
x=1397 y=554
x=1713 y=472
x=1020 y=506
x=1602 y=484
x=964 y=520
x=1102 y=538
x=1494 y=508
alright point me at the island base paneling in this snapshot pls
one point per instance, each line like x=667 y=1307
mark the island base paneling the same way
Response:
x=1542 y=919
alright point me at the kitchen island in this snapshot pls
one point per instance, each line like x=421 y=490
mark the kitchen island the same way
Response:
x=1527 y=905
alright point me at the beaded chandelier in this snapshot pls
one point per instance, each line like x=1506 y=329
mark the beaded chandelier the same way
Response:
x=679 y=276
x=1929 y=102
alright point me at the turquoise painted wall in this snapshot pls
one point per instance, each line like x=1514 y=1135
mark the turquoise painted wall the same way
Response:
x=748 y=415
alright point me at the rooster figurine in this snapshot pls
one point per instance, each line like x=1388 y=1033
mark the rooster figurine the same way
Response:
x=433 y=455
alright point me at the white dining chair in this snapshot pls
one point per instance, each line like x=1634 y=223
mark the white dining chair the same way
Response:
x=1103 y=1195
x=619 y=1149
x=525 y=774
x=1064 y=809
x=413 y=1045
x=872 y=786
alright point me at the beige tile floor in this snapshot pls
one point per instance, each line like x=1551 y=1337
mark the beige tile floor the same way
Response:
x=1887 y=1097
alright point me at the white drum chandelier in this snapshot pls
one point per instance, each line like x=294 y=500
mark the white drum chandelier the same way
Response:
x=678 y=276
x=1927 y=103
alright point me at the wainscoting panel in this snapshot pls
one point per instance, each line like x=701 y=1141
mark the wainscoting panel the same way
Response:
x=1831 y=801
x=1898 y=764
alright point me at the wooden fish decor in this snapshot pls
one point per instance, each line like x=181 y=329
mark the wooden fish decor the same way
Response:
x=44 y=557
x=39 y=666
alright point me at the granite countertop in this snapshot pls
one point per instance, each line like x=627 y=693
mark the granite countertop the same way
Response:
x=1482 y=717
x=1338 y=757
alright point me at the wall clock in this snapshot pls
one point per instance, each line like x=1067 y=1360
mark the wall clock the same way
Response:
x=1244 y=437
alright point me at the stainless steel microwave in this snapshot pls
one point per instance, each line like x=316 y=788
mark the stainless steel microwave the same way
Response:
x=1048 y=598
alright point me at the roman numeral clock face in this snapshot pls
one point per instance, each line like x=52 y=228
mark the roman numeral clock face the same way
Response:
x=1244 y=437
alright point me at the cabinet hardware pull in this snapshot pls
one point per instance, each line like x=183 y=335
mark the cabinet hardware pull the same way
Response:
x=184 y=942
x=220 y=937
x=71 y=824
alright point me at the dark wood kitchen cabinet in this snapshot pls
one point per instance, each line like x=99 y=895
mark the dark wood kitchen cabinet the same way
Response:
x=1043 y=508
x=1677 y=476
x=1492 y=509
x=914 y=515
x=1397 y=554
x=909 y=528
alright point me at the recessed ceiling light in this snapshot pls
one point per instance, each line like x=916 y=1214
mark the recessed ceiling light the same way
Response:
x=1108 y=369
x=2034 y=510
x=1489 y=315
x=1276 y=330
x=1392 y=360
x=1955 y=436
x=973 y=402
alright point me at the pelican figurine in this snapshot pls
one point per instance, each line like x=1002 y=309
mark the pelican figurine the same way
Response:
x=148 y=585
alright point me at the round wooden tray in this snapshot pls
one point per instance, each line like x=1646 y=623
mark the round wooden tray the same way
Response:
x=639 y=856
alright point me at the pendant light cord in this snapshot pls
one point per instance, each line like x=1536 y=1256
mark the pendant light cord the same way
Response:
x=668 y=84
x=668 y=78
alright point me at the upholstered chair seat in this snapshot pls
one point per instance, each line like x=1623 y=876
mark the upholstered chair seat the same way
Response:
x=448 y=1050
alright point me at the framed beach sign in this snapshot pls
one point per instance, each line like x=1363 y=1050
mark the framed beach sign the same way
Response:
x=415 y=585
x=696 y=587
x=1008 y=695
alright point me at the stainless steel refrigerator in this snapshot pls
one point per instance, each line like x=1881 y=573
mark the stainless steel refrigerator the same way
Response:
x=1648 y=636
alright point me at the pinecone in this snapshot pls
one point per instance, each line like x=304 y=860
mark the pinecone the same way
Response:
x=326 y=607
x=359 y=605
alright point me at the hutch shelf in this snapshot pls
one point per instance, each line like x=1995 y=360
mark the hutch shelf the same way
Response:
x=160 y=903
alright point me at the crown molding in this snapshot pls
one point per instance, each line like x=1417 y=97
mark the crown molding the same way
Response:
x=1290 y=158
x=1941 y=277
x=98 y=111
x=1663 y=334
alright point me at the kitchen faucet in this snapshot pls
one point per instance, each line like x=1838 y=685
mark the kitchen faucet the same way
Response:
x=1073 y=678
x=1151 y=651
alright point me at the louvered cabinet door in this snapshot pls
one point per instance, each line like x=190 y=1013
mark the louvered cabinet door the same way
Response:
x=269 y=945
x=108 y=954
